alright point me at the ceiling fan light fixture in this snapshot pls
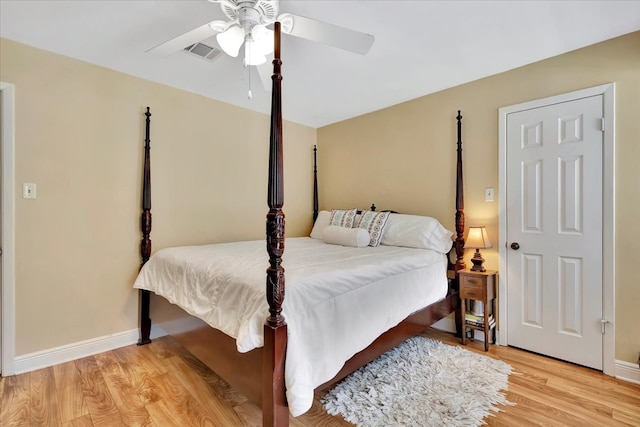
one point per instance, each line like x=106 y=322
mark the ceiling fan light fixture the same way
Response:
x=253 y=55
x=231 y=40
x=263 y=39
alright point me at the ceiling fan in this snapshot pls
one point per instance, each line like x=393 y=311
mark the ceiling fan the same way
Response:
x=248 y=24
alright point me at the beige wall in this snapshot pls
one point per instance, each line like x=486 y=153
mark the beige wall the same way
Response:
x=403 y=157
x=79 y=137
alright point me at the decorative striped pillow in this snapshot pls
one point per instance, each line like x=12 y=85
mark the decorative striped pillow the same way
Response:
x=343 y=218
x=374 y=223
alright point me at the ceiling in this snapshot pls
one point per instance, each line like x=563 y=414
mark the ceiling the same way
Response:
x=421 y=47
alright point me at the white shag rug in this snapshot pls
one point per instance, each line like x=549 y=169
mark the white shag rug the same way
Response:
x=421 y=382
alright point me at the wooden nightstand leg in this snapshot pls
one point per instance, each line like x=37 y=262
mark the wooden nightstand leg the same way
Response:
x=486 y=326
x=463 y=328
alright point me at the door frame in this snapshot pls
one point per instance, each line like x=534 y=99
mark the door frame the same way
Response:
x=608 y=212
x=7 y=287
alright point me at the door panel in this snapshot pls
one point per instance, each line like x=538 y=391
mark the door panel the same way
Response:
x=532 y=196
x=554 y=212
x=532 y=284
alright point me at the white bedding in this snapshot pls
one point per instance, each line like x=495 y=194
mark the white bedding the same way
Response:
x=337 y=299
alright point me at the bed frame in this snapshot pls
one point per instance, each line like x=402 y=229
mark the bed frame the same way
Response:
x=218 y=350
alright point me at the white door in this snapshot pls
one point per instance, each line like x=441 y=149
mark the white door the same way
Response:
x=1 y=215
x=554 y=230
x=7 y=221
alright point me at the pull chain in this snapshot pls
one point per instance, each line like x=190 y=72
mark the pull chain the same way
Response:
x=247 y=52
x=249 y=95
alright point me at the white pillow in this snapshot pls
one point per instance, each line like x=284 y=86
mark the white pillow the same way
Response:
x=354 y=237
x=415 y=231
x=322 y=221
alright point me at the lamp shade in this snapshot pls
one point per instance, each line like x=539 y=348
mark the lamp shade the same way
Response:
x=252 y=53
x=263 y=38
x=478 y=238
x=231 y=40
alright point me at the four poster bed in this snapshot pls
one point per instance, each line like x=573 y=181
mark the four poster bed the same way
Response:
x=334 y=323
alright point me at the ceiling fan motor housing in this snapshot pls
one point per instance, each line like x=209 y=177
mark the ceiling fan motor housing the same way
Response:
x=251 y=12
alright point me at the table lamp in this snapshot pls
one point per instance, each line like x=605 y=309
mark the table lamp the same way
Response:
x=478 y=239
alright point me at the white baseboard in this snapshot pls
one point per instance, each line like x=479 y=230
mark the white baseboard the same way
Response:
x=627 y=371
x=54 y=356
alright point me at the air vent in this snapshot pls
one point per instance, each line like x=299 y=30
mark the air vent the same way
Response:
x=203 y=51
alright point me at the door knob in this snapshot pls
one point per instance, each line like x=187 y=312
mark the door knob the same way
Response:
x=515 y=246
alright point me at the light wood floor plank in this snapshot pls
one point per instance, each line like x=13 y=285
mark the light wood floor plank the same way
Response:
x=317 y=416
x=201 y=391
x=15 y=401
x=550 y=368
x=138 y=375
x=511 y=419
x=163 y=414
x=562 y=405
x=228 y=393
x=143 y=357
x=174 y=388
x=531 y=410
x=630 y=418
x=178 y=406
x=1 y=390
x=131 y=408
x=43 y=399
x=100 y=403
x=568 y=403
x=620 y=402
x=71 y=402
x=249 y=414
x=82 y=421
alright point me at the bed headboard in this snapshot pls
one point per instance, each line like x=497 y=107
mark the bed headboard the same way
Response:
x=458 y=244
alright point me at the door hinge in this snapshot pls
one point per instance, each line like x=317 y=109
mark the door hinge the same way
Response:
x=603 y=323
x=602 y=124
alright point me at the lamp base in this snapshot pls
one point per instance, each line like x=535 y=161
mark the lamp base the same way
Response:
x=477 y=261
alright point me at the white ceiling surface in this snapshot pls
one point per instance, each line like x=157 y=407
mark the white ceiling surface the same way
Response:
x=420 y=46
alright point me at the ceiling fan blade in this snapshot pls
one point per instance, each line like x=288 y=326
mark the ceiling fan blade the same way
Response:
x=329 y=34
x=196 y=35
x=227 y=3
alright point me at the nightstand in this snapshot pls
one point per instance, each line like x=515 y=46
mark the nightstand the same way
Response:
x=478 y=286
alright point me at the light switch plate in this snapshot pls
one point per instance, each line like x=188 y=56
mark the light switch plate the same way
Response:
x=489 y=194
x=28 y=190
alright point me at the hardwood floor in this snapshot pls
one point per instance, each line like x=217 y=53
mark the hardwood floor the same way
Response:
x=161 y=384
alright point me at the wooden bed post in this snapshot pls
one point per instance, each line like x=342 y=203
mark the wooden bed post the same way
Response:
x=459 y=243
x=145 y=244
x=315 y=183
x=274 y=403
x=460 y=264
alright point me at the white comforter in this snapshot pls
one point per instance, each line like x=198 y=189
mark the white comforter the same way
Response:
x=337 y=300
